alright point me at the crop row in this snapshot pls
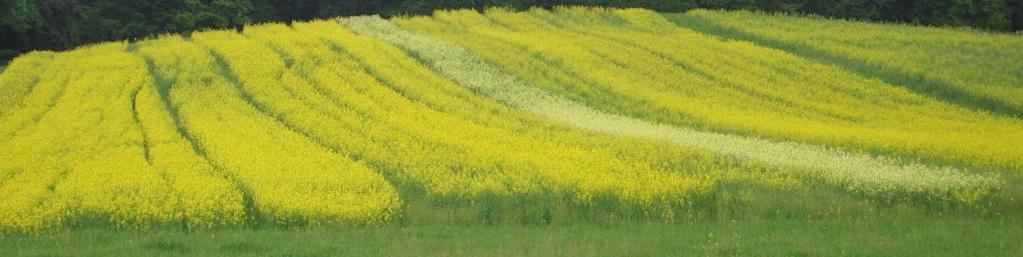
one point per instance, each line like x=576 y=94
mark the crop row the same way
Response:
x=636 y=63
x=976 y=68
x=856 y=172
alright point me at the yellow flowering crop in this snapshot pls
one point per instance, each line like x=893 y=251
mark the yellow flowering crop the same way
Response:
x=636 y=63
x=324 y=123
x=977 y=68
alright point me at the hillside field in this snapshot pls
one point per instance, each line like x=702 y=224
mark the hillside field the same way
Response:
x=569 y=132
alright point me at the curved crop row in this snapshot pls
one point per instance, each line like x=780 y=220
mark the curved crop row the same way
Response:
x=635 y=63
x=289 y=177
x=348 y=106
x=975 y=68
x=83 y=156
x=857 y=172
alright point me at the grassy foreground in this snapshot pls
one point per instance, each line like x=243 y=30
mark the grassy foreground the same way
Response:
x=777 y=223
x=884 y=235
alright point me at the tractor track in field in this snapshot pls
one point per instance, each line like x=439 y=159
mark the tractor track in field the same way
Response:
x=164 y=86
x=919 y=84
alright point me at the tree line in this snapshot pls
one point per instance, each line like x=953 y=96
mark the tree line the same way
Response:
x=61 y=24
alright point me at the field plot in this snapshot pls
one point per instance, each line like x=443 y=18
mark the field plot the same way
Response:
x=583 y=120
x=638 y=63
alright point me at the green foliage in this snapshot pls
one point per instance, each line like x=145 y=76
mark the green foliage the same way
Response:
x=289 y=10
x=18 y=15
x=7 y=54
x=62 y=24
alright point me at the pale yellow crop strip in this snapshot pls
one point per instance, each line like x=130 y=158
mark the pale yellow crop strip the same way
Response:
x=870 y=109
x=299 y=104
x=859 y=173
x=579 y=86
x=358 y=43
x=513 y=178
x=319 y=188
x=449 y=97
x=393 y=66
x=878 y=109
x=307 y=109
x=517 y=18
x=359 y=101
x=992 y=62
x=343 y=100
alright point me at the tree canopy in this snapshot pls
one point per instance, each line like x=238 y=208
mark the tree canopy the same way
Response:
x=60 y=24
